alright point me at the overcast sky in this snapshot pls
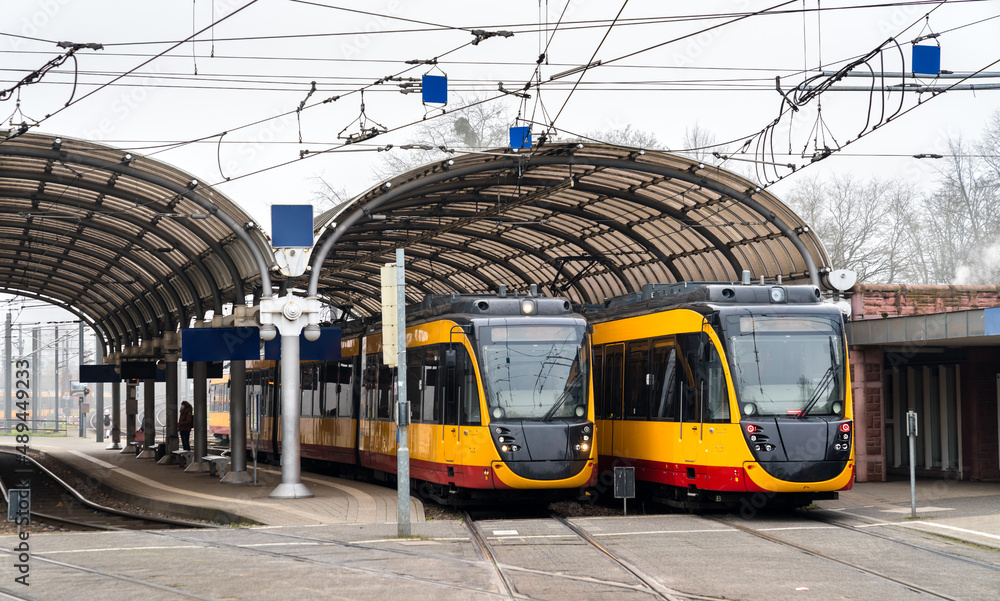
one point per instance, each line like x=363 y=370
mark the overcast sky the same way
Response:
x=246 y=76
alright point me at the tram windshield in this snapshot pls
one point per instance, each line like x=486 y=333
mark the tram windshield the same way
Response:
x=786 y=365
x=535 y=371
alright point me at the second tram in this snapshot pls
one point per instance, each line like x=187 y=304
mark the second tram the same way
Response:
x=720 y=393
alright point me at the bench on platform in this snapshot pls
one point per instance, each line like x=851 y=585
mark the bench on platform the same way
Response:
x=217 y=462
x=183 y=457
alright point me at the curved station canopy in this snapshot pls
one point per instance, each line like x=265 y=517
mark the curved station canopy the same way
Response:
x=587 y=222
x=137 y=248
x=134 y=247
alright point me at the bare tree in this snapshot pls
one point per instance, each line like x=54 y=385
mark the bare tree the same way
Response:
x=476 y=125
x=629 y=136
x=865 y=226
x=963 y=223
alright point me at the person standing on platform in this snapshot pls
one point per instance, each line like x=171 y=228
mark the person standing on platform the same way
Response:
x=107 y=424
x=184 y=424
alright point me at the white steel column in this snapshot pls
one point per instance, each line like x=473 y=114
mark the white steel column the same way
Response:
x=283 y=316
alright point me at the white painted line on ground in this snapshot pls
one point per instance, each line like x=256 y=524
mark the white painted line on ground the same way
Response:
x=919 y=509
x=955 y=528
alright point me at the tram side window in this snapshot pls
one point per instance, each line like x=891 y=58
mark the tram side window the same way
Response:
x=345 y=386
x=371 y=385
x=308 y=390
x=468 y=391
x=598 y=380
x=385 y=377
x=667 y=382
x=614 y=364
x=414 y=381
x=338 y=380
x=270 y=390
x=637 y=380
x=431 y=371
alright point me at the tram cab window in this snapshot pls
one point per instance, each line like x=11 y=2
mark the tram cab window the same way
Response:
x=637 y=381
x=705 y=398
x=666 y=383
x=468 y=390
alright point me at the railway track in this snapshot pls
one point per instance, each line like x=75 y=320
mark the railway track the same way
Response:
x=618 y=575
x=881 y=571
x=57 y=504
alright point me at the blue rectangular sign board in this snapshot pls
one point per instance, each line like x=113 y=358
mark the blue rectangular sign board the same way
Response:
x=220 y=344
x=142 y=370
x=927 y=60
x=292 y=226
x=327 y=348
x=434 y=89
x=99 y=373
x=520 y=137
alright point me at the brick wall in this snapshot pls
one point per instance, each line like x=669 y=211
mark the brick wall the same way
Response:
x=873 y=301
x=866 y=392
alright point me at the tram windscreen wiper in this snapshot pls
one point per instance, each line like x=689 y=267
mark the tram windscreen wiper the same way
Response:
x=566 y=394
x=827 y=379
x=820 y=389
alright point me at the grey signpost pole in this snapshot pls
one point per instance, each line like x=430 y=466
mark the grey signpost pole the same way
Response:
x=911 y=430
x=403 y=418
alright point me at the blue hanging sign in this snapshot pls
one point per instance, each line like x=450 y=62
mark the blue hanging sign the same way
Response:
x=520 y=137
x=434 y=89
x=292 y=226
x=220 y=344
x=326 y=348
x=926 y=60
x=99 y=373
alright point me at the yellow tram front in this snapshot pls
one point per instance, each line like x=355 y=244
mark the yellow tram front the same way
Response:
x=719 y=393
x=499 y=387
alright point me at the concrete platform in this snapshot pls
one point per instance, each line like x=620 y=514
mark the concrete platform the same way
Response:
x=198 y=495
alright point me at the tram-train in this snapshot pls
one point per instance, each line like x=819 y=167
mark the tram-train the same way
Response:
x=724 y=394
x=499 y=393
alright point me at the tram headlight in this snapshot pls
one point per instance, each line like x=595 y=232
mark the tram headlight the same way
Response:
x=505 y=448
x=528 y=307
x=778 y=295
x=837 y=407
x=579 y=411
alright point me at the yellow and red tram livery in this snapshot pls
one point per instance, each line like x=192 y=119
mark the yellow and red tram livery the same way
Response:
x=720 y=394
x=499 y=391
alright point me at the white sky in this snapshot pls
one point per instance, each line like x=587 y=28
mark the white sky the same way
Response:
x=722 y=80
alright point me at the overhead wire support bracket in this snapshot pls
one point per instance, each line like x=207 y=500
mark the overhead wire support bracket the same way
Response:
x=512 y=92
x=482 y=34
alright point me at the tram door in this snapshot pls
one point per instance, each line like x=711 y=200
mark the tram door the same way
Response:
x=614 y=380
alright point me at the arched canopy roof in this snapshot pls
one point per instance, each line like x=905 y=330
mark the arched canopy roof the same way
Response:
x=133 y=246
x=588 y=222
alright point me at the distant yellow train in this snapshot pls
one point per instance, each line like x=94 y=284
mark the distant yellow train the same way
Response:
x=499 y=390
x=721 y=394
